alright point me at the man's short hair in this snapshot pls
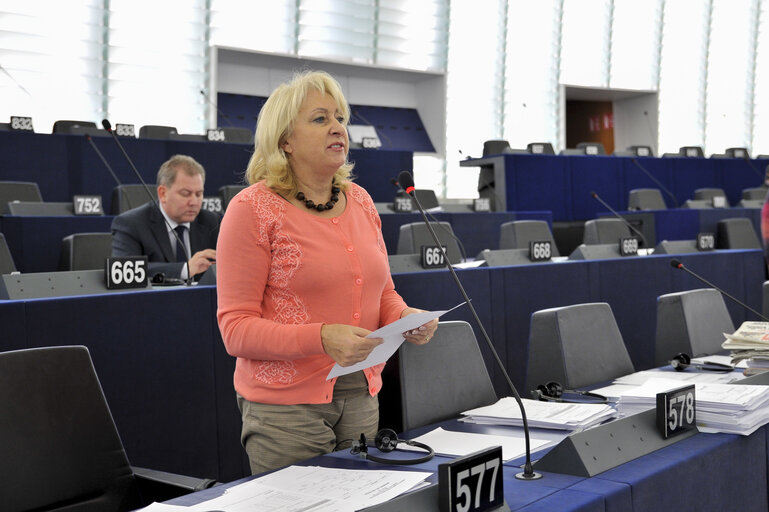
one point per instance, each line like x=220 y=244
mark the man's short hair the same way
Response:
x=167 y=172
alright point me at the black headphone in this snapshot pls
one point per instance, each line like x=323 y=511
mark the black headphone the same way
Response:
x=682 y=361
x=554 y=391
x=386 y=441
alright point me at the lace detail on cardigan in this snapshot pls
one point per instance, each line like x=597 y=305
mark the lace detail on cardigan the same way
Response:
x=269 y=210
x=360 y=196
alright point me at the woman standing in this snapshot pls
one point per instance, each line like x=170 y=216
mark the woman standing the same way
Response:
x=302 y=279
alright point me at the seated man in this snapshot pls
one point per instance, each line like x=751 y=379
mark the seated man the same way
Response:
x=143 y=230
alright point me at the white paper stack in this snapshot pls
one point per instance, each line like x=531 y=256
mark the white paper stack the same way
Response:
x=730 y=408
x=749 y=343
x=554 y=415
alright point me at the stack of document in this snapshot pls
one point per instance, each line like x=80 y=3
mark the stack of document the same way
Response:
x=730 y=408
x=751 y=343
x=555 y=415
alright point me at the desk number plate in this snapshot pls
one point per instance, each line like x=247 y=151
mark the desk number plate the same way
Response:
x=432 y=257
x=213 y=204
x=402 y=204
x=676 y=411
x=129 y=272
x=706 y=241
x=540 y=251
x=21 y=123
x=628 y=246
x=472 y=483
x=482 y=204
x=87 y=205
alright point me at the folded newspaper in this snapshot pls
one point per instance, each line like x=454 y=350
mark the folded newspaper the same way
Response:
x=555 y=415
x=750 y=342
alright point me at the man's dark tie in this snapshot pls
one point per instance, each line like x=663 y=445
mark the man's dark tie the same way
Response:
x=181 y=252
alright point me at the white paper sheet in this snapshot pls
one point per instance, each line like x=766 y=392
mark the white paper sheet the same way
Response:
x=299 y=488
x=459 y=444
x=392 y=334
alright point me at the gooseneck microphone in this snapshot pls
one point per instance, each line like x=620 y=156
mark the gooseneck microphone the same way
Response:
x=106 y=164
x=224 y=116
x=407 y=182
x=107 y=126
x=620 y=217
x=656 y=181
x=677 y=264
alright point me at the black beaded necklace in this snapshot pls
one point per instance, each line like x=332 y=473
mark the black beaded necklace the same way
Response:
x=309 y=203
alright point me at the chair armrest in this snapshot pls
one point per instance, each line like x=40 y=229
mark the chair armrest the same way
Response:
x=157 y=485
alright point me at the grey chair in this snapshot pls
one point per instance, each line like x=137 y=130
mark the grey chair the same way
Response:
x=414 y=235
x=737 y=153
x=736 y=233
x=754 y=193
x=227 y=192
x=709 y=193
x=129 y=196
x=153 y=131
x=404 y=263
x=427 y=198
x=690 y=322
x=676 y=247
x=540 y=148
x=518 y=233
x=645 y=199
x=591 y=148
x=85 y=251
x=18 y=191
x=7 y=266
x=443 y=378
x=691 y=151
x=604 y=231
x=495 y=147
x=751 y=203
x=61 y=449
x=595 y=252
x=506 y=257
x=697 y=204
x=237 y=135
x=577 y=346
x=38 y=209
x=69 y=126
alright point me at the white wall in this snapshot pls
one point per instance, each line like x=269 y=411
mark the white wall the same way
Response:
x=257 y=74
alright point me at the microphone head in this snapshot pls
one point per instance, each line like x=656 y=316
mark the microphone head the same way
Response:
x=676 y=264
x=107 y=126
x=593 y=194
x=406 y=181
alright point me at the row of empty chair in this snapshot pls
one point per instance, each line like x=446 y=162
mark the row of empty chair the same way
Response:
x=24 y=198
x=577 y=346
x=501 y=146
x=600 y=241
x=230 y=133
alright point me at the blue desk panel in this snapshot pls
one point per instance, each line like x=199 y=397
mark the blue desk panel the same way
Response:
x=706 y=472
x=35 y=242
x=562 y=184
x=64 y=165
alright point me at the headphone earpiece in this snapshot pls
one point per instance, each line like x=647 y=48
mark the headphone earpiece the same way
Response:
x=386 y=440
x=682 y=361
x=553 y=392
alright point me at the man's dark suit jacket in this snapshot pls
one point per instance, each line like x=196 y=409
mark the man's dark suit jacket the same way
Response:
x=143 y=232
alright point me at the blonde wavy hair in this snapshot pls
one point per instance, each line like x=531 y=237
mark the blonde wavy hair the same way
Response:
x=276 y=122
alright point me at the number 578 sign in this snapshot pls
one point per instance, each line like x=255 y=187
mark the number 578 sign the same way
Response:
x=676 y=411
